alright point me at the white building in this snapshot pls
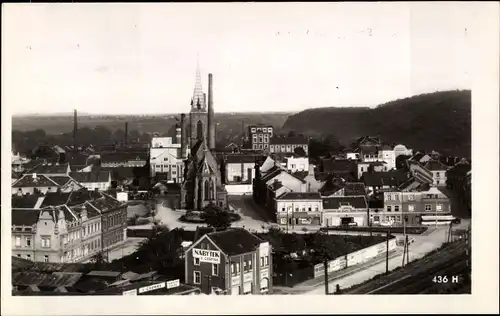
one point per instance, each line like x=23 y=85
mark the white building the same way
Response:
x=295 y=164
x=402 y=150
x=165 y=158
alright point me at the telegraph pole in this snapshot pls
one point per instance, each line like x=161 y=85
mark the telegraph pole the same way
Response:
x=325 y=264
x=387 y=253
x=407 y=250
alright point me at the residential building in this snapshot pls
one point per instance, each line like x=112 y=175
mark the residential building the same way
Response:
x=282 y=144
x=393 y=208
x=92 y=180
x=239 y=172
x=42 y=184
x=401 y=149
x=438 y=172
x=419 y=172
x=421 y=157
x=124 y=159
x=334 y=186
x=260 y=136
x=344 y=210
x=166 y=160
x=375 y=181
x=231 y=262
x=296 y=208
x=49 y=169
x=374 y=166
x=295 y=163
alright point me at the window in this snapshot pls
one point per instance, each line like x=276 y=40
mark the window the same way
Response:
x=165 y=159
x=197 y=277
x=235 y=268
x=261 y=261
x=310 y=209
x=376 y=218
x=316 y=209
x=19 y=255
x=46 y=258
x=411 y=197
x=437 y=174
x=296 y=209
x=411 y=208
x=28 y=241
x=388 y=208
x=388 y=197
x=283 y=209
x=439 y=207
x=215 y=269
x=196 y=261
x=437 y=182
x=283 y=221
x=303 y=209
x=28 y=257
x=396 y=208
x=18 y=241
x=266 y=261
x=428 y=207
x=45 y=242
x=398 y=218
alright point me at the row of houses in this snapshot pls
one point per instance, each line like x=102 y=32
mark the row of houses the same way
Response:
x=341 y=193
x=66 y=226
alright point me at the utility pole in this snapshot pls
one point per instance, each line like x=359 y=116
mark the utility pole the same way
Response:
x=325 y=264
x=407 y=250
x=404 y=254
x=387 y=254
x=449 y=231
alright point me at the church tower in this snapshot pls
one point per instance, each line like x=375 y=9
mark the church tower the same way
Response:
x=198 y=117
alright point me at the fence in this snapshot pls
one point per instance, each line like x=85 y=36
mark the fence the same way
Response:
x=354 y=258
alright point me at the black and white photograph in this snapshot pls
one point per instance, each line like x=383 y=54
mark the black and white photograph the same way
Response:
x=247 y=150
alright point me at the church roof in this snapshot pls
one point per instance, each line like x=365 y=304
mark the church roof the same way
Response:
x=198 y=100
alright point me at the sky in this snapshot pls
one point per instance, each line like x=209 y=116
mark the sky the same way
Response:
x=141 y=58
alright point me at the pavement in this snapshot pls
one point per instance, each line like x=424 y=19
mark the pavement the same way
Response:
x=129 y=246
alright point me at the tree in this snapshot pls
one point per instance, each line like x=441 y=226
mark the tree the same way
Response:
x=292 y=134
x=98 y=261
x=215 y=217
x=300 y=151
x=324 y=251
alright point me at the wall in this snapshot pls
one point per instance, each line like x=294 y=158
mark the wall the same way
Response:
x=264 y=272
x=354 y=258
x=297 y=164
x=102 y=186
x=23 y=250
x=45 y=227
x=240 y=170
x=238 y=189
x=334 y=217
x=439 y=177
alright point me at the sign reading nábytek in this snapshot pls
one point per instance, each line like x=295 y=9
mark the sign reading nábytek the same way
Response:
x=211 y=256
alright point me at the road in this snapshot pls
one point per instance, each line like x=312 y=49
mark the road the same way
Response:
x=418 y=249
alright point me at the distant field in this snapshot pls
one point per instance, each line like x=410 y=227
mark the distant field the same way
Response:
x=229 y=124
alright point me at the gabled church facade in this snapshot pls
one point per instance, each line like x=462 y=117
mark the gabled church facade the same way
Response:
x=202 y=183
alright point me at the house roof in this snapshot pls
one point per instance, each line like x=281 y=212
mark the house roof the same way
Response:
x=368 y=139
x=25 y=217
x=120 y=173
x=434 y=165
x=391 y=178
x=275 y=185
x=55 y=198
x=91 y=177
x=97 y=273
x=376 y=203
x=369 y=150
x=117 y=157
x=26 y=278
x=300 y=196
x=242 y=158
x=202 y=231
x=30 y=181
x=295 y=140
x=301 y=174
x=60 y=180
x=338 y=201
x=336 y=165
x=15 y=174
x=50 y=169
x=25 y=201
x=373 y=163
x=235 y=241
x=354 y=188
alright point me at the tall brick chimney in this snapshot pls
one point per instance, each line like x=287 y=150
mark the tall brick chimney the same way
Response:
x=75 y=127
x=126 y=133
x=211 y=118
x=183 y=136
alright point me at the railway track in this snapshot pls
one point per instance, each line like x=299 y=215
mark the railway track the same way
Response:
x=418 y=275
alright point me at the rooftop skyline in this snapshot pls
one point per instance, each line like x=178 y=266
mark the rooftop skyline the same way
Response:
x=142 y=58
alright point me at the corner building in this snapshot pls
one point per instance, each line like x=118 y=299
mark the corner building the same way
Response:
x=230 y=262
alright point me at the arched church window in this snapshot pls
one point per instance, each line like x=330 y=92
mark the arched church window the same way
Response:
x=206 y=190
x=199 y=130
x=212 y=190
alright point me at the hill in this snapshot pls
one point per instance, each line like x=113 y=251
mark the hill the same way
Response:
x=439 y=121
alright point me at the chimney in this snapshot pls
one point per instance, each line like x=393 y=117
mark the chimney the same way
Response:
x=183 y=136
x=178 y=132
x=211 y=119
x=75 y=127
x=204 y=98
x=126 y=133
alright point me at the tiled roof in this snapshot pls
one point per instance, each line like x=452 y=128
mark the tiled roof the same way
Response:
x=300 y=196
x=60 y=180
x=354 y=188
x=120 y=173
x=242 y=158
x=80 y=196
x=301 y=174
x=28 y=181
x=373 y=163
x=25 y=201
x=333 y=203
x=77 y=159
x=335 y=165
x=26 y=278
x=33 y=163
x=235 y=241
x=50 y=169
x=202 y=231
x=24 y=217
x=434 y=165
x=55 y=199
x=91 y=177
x=295 y=140
x=275 y=185
x=376 y=203
x=123 y=157
x=391 y=178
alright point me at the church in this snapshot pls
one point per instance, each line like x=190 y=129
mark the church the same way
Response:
x=202 y=182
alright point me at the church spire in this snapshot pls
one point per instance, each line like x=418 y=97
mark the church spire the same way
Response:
x=198 y=98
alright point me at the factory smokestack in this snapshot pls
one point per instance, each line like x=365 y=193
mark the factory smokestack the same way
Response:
x=126 y=133
x=75 y=127
x=211 y=119
x=183 y=136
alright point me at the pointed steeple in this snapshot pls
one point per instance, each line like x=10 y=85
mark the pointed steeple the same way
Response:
x=198 y=98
